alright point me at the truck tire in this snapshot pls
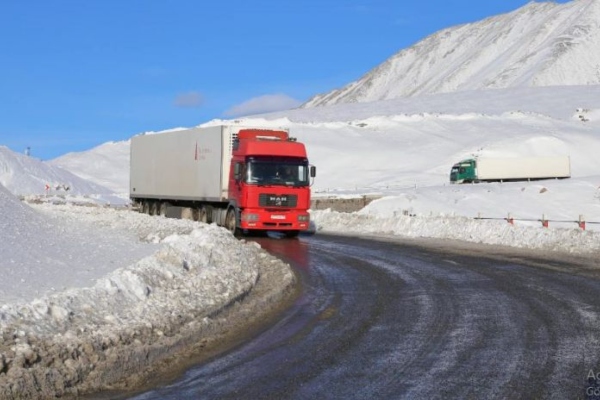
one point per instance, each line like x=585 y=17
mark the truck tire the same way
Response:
x=291 y=234
x=231 y=223
x=144 y=209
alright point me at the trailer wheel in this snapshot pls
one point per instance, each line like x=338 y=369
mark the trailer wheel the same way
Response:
x=153 y=208
x=203 y=215
x=163 y=208
x=187 y=213
x=145 y=209
x=231 y=223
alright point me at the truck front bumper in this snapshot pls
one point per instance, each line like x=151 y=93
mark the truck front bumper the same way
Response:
x=275 y=220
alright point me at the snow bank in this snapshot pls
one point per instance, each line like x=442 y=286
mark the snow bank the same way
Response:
x=459 y=228
x=86 y=338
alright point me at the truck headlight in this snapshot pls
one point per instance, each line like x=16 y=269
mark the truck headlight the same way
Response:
x=304 y=218
x=249 y=217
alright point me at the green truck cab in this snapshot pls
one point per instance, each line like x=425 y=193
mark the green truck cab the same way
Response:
x=464 y=172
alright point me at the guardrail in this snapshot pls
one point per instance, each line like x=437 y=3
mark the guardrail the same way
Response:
x=357 y=203
x=581 y=222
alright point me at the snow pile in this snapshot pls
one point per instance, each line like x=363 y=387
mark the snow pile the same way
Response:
x=43 y=255
x=189 y=272
x=459 y=228
x=90 y=335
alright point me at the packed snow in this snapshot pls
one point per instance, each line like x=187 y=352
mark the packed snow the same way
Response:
x=45 y=255
x=91 y=294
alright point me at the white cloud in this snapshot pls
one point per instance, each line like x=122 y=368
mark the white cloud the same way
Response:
x=189 y=99
x=263 y=104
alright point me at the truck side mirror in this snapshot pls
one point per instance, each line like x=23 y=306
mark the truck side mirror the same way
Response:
x=237 y=171
x=313 y=171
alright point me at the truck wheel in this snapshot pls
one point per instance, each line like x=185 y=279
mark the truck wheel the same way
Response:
x=291 y=234
x=231 y=223
x=144 y=209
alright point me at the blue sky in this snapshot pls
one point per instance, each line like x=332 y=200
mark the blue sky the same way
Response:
x=76 y=74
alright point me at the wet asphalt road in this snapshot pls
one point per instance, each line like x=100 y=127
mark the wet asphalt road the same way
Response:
x=389 y=320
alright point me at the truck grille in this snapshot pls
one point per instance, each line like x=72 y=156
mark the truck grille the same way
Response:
x=277 y=200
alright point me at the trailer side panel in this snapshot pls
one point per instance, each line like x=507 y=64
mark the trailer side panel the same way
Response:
x=181 y=165
x=523 y=168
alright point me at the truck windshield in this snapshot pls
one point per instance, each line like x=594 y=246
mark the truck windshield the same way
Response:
x=277 y=173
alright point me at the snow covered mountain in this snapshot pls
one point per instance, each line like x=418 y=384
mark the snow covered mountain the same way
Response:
x=540 y=44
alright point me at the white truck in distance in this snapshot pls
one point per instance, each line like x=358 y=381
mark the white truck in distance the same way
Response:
x=510 y=169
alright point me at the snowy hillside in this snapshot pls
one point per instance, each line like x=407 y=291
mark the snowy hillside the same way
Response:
x=24 y=175
x=390 y=145
x=107 y=165
x=540 y=44
x=403 y=149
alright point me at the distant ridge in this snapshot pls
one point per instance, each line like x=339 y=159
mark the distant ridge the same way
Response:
x=106 y=165
x=539 y=44
x=24 y=175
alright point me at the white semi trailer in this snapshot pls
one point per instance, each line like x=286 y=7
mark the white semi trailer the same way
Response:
x=243 y=178
x=484 y=169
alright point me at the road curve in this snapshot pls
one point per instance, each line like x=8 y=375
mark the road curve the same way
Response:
x=384 y=319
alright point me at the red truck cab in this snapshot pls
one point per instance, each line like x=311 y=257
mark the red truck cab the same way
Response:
x=269 y=183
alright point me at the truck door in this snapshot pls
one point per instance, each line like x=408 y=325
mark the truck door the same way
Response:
x=238 y=176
